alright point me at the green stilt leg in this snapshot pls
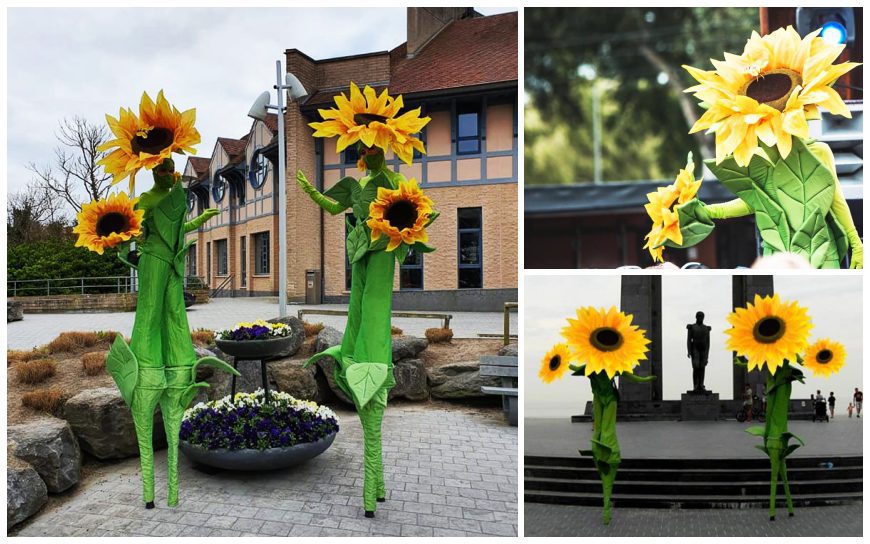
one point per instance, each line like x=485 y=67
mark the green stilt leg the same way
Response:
x=775 y=466
x=783 y=471
x=605 y=445
x=144 y=403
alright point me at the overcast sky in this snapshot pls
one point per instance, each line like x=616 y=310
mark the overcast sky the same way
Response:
x=833 y=302
x=89 y=62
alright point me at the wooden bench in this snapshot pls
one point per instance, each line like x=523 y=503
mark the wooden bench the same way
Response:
x=445 y=318
x=505 y=368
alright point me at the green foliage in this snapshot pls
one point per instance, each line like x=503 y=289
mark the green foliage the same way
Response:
x=51 y=259
x=635 y=55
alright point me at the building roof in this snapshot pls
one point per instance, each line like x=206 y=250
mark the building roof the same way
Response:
x=271 y=122
x=199 y=165
x=466 y=53
x=234 y=148
x=591 y=198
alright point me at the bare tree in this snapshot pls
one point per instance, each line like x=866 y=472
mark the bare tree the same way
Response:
x=75 y=166
x=32 y=214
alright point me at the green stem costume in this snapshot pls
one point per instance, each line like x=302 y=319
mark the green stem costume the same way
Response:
x=798 y=205
x=159 y=365
x=775 y=432
x=364 y=366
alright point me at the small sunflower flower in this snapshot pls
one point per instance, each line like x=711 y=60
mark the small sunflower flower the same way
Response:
x=554 y=365
x=825 y=357
x=107 y=223
x=400 y=214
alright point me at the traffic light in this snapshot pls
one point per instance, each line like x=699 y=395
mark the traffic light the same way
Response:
x=837 y=24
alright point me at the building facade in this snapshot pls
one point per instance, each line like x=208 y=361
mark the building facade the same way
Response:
x=461 y=69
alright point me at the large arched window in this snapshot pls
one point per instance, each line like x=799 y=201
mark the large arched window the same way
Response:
x=260 y=167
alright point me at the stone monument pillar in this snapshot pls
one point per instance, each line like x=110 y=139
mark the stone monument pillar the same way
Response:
x=641 y=296
x=744 y=289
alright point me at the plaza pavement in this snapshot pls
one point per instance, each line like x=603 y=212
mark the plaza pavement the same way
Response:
x=448 y=473
x=819 y=521
x=38 y=329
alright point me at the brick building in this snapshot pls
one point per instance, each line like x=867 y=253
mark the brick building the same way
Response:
x=461 y=69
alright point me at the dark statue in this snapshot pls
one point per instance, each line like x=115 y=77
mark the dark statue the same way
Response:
x=698 y=345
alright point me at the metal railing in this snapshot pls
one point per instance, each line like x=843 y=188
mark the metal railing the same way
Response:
x=224 y=285
x=81 y=286
x=508 y=306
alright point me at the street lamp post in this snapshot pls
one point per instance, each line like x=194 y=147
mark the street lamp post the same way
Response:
x=259 y=111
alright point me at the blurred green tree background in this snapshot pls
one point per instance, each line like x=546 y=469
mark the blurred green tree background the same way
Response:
x=631 y=58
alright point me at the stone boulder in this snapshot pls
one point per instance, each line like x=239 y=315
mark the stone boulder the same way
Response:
x=14 y=311
x=509 y=350
x=408 y=347
x=410 y=380
x=50 y=447
x=289 y=376
x=327 y=338
x=297 y=334
x=26 y=493
x=458 y=380
x=103 y=424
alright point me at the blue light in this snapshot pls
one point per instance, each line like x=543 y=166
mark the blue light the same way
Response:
x=833 y=32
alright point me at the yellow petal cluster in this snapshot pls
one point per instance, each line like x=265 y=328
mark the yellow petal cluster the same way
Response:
x=400 y=214
x=144 y=141
x=661 y=209
x=554 y=365
x=372 y=119
x=825 y=357
x=605 y=341
x=768 y=92
x=768 y=332
x=106 y=223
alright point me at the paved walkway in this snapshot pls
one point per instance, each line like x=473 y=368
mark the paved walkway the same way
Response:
x=691 y=439
x=820 y=521
x=38 y=329
x=448 y=473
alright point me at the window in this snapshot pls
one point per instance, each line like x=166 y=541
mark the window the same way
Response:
x=467 y=128
x=411 y=271
x=243 y=256
x=470 y=233
x=208 y=262
x=222 y=260
x=261 y=253
x=191 y=201
x=259 y=170
x=351 y=155
x=219 y=189
x=349 y=224
x=191 y=261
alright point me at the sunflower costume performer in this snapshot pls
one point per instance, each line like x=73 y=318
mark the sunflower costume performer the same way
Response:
x=771 y=334
x=159 y=365
x=607 y=345
x=391 y=218
x=758 y=104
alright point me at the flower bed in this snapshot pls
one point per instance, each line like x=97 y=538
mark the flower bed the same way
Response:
x=249 y=422
x=256 y=330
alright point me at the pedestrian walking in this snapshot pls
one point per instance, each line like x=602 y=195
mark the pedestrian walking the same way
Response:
x=858 y=399
x=832 y=400
x=850 y=408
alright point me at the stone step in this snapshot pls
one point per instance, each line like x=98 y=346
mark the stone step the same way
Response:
x=736 y=464
x=735 y=490
x=687 y=501
x=697 y=475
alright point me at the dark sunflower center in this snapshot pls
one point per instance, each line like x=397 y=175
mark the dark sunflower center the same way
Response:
x=555 y=362
x=366 y=118
x=605 y=339
x=824 y=357
x=401 y=214
x=769 y=329
x=773 y=88
x=156 y=140
x=110 y=223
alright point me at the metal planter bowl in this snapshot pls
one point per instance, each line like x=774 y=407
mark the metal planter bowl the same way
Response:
x=255 y=349
x=268 y=459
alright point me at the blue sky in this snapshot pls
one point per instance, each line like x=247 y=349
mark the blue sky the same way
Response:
x=89 y=62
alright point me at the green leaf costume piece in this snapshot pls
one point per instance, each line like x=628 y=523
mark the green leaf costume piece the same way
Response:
x=364 y=365
x=797 y=201
x=159 y=365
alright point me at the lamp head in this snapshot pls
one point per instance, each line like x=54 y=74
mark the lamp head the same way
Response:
x=295 y=89
x=259 y=108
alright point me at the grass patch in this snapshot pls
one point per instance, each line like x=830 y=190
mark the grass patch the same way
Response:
x=37 y=371
x=439 y=335
x=14 y=356
x=44 y=400
x=202 y=337
x=74 y=341
x=312 y=329
x=94 y=362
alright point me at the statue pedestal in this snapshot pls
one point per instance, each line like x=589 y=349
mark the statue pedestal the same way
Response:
x=699 y=406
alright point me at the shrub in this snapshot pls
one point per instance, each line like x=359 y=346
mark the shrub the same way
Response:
x=22 y=356
x=44 y=400
x=439 y=335
x=35 y=371
x=395 y=331
x=94 y=363
x=73 y=341
x=52 y=259
x=202 y=337
x=312 y=329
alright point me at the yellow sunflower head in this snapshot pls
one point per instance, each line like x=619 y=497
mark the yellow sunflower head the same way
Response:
x=554 y=365
x=400 y=214
x=145 y=141
x=107 y=223
x=768 y=332
x=605 y=341
x=370 y=118
x=768 y=92
x=825 y=357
